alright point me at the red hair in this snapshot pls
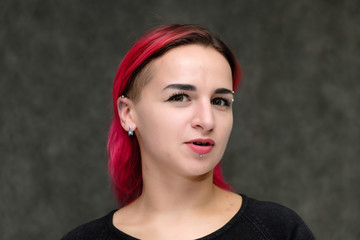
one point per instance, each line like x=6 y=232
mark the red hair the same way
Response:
x=124 y=152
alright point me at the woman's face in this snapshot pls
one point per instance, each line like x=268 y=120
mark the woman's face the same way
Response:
x=183 y=118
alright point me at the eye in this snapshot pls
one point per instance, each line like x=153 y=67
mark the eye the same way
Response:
x=179 y=97
x=221 y=102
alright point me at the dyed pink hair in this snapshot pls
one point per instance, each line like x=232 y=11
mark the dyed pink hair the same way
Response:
x=124 y=152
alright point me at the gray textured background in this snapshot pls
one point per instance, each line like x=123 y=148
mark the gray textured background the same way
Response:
x=296 y=134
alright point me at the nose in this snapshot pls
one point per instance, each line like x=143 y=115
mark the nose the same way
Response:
x=203 y=116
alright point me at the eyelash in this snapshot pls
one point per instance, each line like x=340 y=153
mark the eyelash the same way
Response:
x=226 y=102
x=179 y=94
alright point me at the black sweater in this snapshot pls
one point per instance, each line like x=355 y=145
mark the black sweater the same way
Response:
x=256 y=220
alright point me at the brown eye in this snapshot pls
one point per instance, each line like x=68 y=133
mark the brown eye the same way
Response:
x=217 y=102
x=220 y=102
x=179 y=98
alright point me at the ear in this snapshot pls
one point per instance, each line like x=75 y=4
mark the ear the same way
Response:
x=126 y=112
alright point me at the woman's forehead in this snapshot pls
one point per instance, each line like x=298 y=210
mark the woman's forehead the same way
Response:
x=192 y=64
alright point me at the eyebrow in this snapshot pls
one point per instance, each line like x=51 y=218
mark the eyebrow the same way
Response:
x=224 y=91
x=185 y=87
x=189 y=87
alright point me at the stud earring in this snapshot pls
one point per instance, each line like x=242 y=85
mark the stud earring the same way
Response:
x=122 y=96
x=130 y=132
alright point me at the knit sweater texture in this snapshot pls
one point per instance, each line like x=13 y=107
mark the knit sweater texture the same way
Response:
x=256 y=220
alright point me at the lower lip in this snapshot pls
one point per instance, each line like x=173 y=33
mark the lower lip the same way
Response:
x=200 y=149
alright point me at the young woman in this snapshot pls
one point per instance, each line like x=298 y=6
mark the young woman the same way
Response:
x=173 y=96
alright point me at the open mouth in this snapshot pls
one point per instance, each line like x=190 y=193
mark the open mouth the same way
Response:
x=201 y=146
x=202 y=143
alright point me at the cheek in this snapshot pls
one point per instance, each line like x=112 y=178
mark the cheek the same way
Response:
x=149 y=122
x=230 y=124
x=225 y=127
x=159 y=122
x=176 y=124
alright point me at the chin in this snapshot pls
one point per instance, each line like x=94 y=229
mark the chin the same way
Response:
x=201 y=170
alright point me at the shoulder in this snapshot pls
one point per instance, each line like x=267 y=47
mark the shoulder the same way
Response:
x=270 y=211
x=275 y=220
x=96 y=229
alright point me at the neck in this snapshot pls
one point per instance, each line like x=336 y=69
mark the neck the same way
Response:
x=177 y=194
